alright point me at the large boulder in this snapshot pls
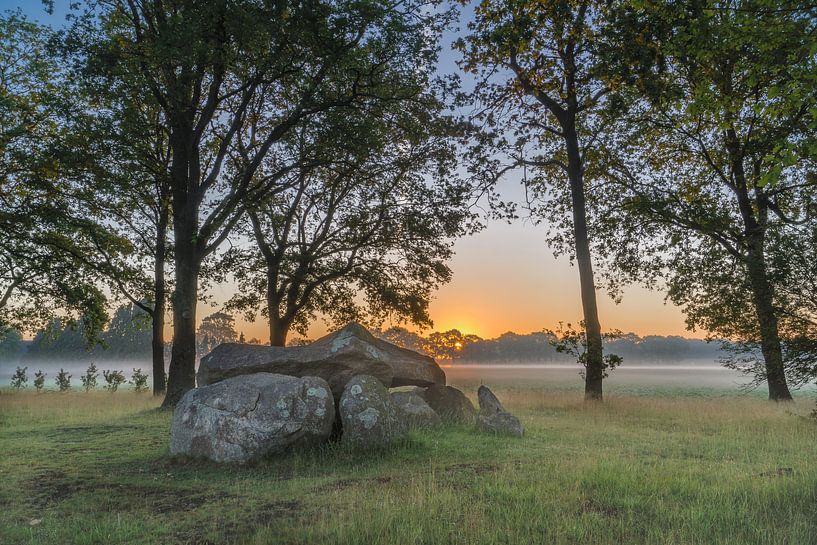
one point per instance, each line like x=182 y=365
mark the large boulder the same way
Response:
x=248 y=417
x=370 y=418
x=336 y=358
x=414 y=411
x=493 y=418
x=448 y=402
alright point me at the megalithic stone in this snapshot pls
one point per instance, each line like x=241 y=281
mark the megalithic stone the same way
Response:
x=336 y=358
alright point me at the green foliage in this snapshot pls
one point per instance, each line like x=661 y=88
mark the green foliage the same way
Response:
x=11 y=344
x=139 y=380
x=567 y=339
x=366 y=234
x=19 y=379
x=63 y=380
x=126 y=336
x=39 y=380
x=48 y=244
x=230 y=82
x=403 y=337
x=113 y=379
x=709 y=194
x=89 y=378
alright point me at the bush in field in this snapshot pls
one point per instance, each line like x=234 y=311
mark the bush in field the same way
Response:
x=63 y=380
x=139 y=380
x=113 y=379
x=39 y=380
x=20 y=379
x=89 y=378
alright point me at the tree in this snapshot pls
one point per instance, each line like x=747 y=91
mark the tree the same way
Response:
x=544 y=86
x=128 y=335
x=43 y=257
x=721 y=171
x=233 y=80
x=63 y=340
x=11 y=344
x=365 y=235
x=215 y=329
x=403 y=337
x=567 y=339
x=118 y=146
x=448 y=344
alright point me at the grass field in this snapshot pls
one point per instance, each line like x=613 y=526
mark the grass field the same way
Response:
x=94 y=468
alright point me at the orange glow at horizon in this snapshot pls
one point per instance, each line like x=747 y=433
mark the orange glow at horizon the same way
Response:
x=506 y=279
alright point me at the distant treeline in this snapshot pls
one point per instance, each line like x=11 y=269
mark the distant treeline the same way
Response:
x=127 y=337
x=538 y=346
x=535 y=347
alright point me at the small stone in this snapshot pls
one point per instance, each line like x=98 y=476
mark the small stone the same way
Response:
x=493 y=418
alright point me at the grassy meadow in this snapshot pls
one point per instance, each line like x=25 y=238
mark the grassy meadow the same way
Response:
x=648 y=468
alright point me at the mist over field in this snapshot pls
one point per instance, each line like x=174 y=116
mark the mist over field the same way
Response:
x=633 y=377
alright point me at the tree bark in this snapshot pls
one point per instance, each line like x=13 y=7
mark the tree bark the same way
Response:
x=278 y=327
x=187 y=260
x=762 y=290
x=594 y=372
x=182 y=375
x=158 y=333
x=763 y=298
x=278 y=331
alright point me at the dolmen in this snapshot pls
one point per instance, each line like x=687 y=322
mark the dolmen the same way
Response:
x=254 y=401
x=336 y=358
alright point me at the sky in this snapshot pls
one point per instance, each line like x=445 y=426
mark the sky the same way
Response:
x=505 y=278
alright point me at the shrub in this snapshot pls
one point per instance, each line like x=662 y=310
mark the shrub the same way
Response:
x=139 y=380
x=20 y=379
x=114 y=379
x=39 y=380
x=89 y=378
x=63 y=380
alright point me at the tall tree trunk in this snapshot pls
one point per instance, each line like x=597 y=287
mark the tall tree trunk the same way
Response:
x=763 y=297
x=594 y=373
x=158 y=333
x=182 y=375
x=187 y=260
x=762 y=291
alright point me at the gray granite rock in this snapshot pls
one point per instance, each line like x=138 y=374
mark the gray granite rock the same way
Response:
x=370 y=418
x=500 y=424
x=488 y=402
x=336 y=358
x=493 y=418
x=414 y=411
x=450 y=403
x=247 y=417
